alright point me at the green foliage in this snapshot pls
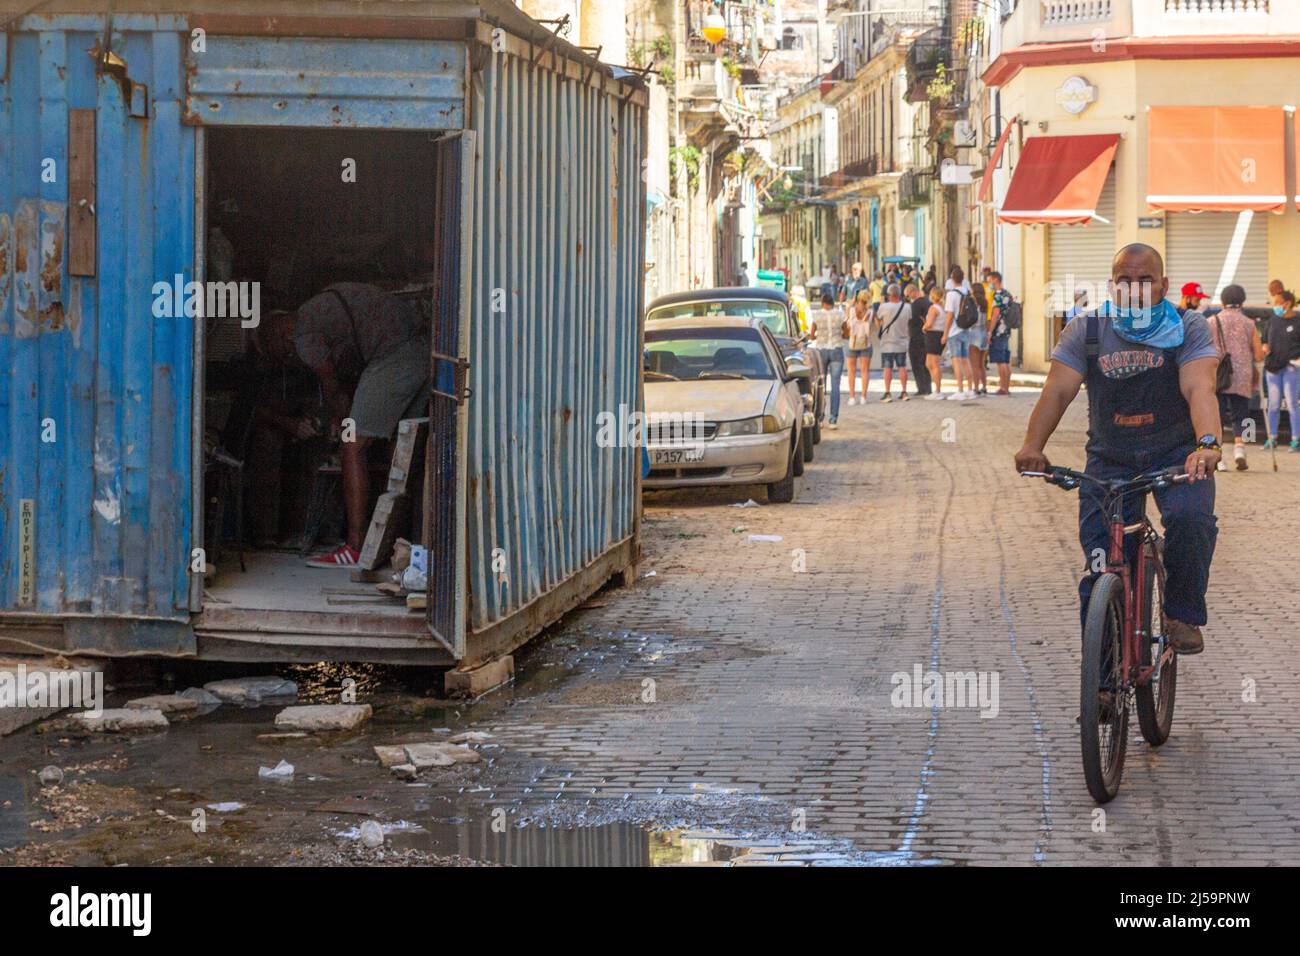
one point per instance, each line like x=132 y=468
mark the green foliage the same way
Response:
x=688 y=158
x=940 y=88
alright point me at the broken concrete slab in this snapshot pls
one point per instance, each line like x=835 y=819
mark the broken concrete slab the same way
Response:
x=390 y=756
x=453 y=752
x=52 y=668
x=470 y=737
x=423 y=756
x=121 y=720
x=167 y=703
x=318 y=717
x=252 y=690
x=477 y=681
x=405 y=771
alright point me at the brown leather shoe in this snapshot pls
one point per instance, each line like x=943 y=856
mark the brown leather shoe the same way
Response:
x=1184 y=638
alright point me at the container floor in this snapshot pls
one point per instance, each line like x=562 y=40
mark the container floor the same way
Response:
x=277 y=581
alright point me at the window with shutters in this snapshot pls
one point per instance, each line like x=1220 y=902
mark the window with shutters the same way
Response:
x=1218 y=249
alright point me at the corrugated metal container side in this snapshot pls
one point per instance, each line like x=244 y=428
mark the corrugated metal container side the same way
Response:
x=97 y=521
x=95 y=392
x=558 y=225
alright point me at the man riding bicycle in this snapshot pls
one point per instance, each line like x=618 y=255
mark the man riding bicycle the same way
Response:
x=1151 y=381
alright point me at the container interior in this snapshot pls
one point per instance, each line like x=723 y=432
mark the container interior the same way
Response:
x=294 y=211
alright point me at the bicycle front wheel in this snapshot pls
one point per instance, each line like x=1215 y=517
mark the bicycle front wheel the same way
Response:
x=1155 y=699
x=1103 y=702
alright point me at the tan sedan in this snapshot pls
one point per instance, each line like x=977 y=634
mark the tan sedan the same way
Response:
x=722 y=406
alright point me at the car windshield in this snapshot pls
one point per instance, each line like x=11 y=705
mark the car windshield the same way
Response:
x=772 y=314
x=692 y=354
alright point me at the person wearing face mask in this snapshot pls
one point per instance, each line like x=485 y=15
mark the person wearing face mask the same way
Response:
x=1151 y=405
x=1282 y=368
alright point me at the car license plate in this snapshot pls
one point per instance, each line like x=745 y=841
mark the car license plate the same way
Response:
x=677 y=456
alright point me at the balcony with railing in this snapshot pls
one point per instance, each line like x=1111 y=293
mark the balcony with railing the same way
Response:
x=1060 y=21
x=1216 y=17
x=929 y=56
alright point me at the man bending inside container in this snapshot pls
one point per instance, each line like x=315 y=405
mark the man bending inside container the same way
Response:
x=370 y=351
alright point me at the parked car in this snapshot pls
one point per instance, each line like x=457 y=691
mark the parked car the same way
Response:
x=778 y=314
x=723 y=406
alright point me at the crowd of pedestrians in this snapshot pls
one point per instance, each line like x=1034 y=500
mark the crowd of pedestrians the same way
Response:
x=911 y=320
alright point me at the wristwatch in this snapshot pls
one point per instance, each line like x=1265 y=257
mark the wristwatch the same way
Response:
x=1209 y=443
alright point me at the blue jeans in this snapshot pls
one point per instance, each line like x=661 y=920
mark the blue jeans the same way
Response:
x=1187 y=514
x=1284 y=383
x=833 y=363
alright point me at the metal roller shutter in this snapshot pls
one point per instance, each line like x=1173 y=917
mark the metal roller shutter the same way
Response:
x=1217 y=249
x=1081 y=255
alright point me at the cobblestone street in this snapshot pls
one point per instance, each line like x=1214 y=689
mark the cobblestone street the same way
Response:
x=771 y=688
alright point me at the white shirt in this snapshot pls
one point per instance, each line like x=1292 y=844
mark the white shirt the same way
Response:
x=952 y=302
x=828 y=322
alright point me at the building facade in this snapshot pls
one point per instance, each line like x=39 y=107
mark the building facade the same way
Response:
x=1167 y=122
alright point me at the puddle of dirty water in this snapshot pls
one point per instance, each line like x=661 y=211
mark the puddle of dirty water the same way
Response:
x=608 y=845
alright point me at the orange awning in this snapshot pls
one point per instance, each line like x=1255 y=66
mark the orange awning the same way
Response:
x=1226 y=158
x=1058 y=179
x=986 y=182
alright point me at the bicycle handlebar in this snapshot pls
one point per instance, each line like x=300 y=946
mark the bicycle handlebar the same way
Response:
x=1068 y=479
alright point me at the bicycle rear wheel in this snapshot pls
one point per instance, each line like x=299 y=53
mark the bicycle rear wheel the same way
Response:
x=1155 y=700
x=1103 y=702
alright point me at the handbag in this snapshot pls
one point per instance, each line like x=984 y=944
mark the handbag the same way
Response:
x=1223 y=375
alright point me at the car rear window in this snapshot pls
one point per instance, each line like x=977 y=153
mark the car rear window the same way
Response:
x=772 y=314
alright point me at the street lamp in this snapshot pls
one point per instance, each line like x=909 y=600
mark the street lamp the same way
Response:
x=714 y=28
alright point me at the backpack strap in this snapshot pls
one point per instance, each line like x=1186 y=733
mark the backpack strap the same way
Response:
x=1092 y=340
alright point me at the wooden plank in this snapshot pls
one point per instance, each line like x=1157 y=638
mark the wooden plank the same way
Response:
x=394 y=506
x=81 y=192
x=411 y=435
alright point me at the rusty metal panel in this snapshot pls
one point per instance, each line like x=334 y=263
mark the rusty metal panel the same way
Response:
x=556 y=298
x=95 y=398
x=327 y=82
x=81 y=192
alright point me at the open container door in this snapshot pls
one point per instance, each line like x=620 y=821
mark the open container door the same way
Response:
x=444 y=487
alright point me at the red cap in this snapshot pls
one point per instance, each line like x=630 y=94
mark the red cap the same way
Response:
x=1194 y=289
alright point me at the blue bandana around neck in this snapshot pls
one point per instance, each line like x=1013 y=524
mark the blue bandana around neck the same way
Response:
x=1161 y=327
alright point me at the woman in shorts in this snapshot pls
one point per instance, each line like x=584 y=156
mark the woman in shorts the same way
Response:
x=977 y=337
x=857 y=352
x=933 y=331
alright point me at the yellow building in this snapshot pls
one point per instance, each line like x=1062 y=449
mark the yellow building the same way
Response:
x=1148 y=74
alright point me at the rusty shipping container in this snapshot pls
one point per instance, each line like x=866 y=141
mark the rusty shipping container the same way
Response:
x=143 y=150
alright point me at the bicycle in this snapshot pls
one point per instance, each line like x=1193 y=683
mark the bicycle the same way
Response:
x=1126 y=650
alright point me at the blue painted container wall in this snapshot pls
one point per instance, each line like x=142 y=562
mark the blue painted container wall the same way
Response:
x=112 y=491
x=558 y=211
x=329 y=82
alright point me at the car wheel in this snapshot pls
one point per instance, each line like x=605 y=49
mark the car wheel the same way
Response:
x=798 y=459
x=782 y=492
x=807 y=441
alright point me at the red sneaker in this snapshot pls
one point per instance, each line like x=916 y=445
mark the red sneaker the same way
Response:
x=340 y=557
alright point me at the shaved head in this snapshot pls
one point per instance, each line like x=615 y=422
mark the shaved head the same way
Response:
x=1138 y=278
x=1135 y=259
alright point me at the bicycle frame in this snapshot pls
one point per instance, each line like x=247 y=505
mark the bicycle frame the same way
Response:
x=1132 y=578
